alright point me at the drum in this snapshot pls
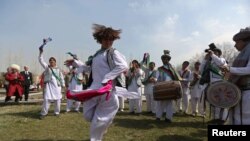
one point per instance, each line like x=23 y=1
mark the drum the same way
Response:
x=223 y=94
x=167 y=90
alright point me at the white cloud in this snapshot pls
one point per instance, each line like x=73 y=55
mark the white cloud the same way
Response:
x=195 y=33
x=240 y=9
x=171 y=21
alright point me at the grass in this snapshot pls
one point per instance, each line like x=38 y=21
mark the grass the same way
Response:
x=21 y=123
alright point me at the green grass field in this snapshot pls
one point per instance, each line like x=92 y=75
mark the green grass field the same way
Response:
x=21 y=123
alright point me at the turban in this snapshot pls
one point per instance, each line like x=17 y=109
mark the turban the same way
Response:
x=166 y=54
x=244 y=35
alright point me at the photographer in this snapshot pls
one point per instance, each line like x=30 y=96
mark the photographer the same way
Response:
x=211 y=72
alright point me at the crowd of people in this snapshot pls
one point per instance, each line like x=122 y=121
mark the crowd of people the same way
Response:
x=109 y=66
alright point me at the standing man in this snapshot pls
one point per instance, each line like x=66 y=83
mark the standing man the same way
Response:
x=212 y=66
x=196 y=91
x=149 y=81
x=134 y=85
x=185 y=73
x=240 y=75
x=75 y=83
x=166 y=73
x=53 y=84
x=28 y=80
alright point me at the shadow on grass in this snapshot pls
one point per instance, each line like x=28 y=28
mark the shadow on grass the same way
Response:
x=177 y=138
x=141 y=123
x=12 y=103
x=197 y=136
x=48 y=140
x=26 y=114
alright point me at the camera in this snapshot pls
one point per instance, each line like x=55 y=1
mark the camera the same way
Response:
x=211 y=47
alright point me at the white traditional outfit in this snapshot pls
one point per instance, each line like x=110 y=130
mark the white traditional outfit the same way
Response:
x=196 y=92
x=75 y=84
x=166 y=73
x=216 y=63
x=148 y=88
x=54 y=81
x=135 y=86
x=240 y=75
x=183 y=103
x=99 y=110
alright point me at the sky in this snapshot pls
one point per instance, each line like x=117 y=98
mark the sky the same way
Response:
x=185 y=27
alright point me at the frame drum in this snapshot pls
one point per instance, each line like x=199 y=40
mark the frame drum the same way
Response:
x=223 y=94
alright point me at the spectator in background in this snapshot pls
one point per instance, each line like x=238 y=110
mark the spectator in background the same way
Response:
x=15 y=83
x=28 y=80
x=74 y=84
x=6 y=82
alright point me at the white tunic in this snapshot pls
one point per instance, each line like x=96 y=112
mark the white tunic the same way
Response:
x=196 y=90
x=98 y=108
x=74 y=85
x=133 y=87
x=51 y=91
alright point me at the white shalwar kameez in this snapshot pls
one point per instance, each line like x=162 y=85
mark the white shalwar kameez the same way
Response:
x=133 y=87
x=216 y=62
x=245 y=103
x=148 y=89
x=52 y=90
x=98 y=110
x=74 y=85
x=183 y=103
x=196 y=101
x=163 y=105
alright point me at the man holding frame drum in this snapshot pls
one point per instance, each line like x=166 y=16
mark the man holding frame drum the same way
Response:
x=239 y=74
x=211 y=73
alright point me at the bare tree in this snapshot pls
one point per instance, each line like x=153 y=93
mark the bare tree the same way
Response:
x=228 y=52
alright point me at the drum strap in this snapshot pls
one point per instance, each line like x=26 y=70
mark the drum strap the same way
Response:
x=241 y=110
x=168 y=72
x=233 y=110
x=205 y=98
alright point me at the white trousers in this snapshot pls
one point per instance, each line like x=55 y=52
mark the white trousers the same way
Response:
x=100 y=112
x=235 y=116
x=197 y=105
x=70 y=105
x=150 y=103
x=121 y=102
x=183 y=103
x=46 y=105
x=164 y=104
x=219 y=113
x=135 y=105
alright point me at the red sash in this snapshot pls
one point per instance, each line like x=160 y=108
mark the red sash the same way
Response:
x=170 y=73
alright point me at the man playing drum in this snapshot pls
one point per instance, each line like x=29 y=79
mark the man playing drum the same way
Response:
x=166 y=73
x=240 y=75
x=212 y=64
